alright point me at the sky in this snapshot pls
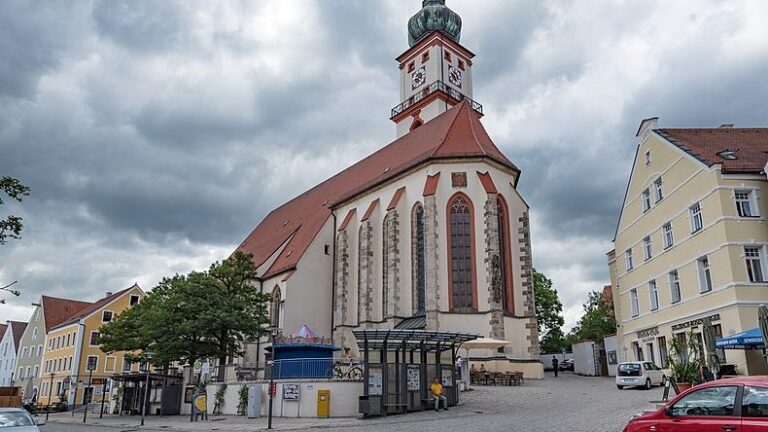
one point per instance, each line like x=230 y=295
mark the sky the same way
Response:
x=155 y=135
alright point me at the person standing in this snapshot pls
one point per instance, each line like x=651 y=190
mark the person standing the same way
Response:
x=555 y=365
x=437 y=392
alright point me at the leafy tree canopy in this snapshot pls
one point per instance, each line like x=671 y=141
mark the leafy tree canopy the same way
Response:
x=549 y=314
x=10 y=227
x=598 y=320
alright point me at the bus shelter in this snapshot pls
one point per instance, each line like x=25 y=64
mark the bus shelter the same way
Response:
x=399 y=366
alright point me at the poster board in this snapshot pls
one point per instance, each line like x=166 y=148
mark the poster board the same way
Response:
x=291 y=392
x=375 y=381
x=447 y=378
x=413 y=378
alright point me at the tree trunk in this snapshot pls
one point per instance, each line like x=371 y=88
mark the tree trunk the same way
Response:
x=222 y=356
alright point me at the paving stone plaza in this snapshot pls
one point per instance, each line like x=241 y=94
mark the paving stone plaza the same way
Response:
x=569 y=403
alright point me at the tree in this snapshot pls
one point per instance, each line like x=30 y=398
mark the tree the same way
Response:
x=201 y=315
x=549 y=314
x=598 y=320
x=10 y=227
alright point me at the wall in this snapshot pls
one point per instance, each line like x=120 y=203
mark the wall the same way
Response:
x=34 y=341
x=7 y=357
x=611 y=345
x=584 y=358
x=344 y=399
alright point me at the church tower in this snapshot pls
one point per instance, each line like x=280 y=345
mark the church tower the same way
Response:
x=436 y=71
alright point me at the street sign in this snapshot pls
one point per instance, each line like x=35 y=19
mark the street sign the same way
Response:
x=273 y=389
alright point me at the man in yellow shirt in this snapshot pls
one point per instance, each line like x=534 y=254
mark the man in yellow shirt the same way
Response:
x=437 y=392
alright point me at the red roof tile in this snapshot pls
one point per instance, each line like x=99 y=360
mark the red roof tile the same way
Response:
x=430 y=186
x=750 y=146
x=487 y=182
x=17 y=327
x=3 y=328
x=370 y=210
x=57 y=310
x=455 y=133
x=347 y=219
x=396 y=198
x=93 y=307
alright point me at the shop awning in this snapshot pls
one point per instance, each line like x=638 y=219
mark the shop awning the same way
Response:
x=751 y=339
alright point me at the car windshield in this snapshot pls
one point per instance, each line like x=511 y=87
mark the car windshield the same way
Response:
x=15 y=419
x=629 y=369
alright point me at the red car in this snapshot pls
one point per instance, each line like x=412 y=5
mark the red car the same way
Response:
x=736 y=404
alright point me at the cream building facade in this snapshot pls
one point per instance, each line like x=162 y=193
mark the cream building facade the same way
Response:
x=691 y=241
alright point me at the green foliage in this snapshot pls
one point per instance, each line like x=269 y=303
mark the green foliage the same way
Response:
x=598 y=320
x=218 y=398
x=187 y=317
x=242 y=404
x=685 y=359
x=549 y=314
x=10 y=227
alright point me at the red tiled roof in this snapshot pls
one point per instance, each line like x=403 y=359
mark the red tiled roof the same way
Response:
x=17 y=327
x=370 y=210
x=455 y=133
x=750 y=146
x=93 y=307
x=3 y=328
x=487 y=182
x=57 y=310
x=608 y=293
x=396 y=198
x=347 y=219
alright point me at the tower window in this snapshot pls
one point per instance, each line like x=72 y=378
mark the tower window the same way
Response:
x=425 y=57
x=448 y=56
x=411 y=66
x=461 y=64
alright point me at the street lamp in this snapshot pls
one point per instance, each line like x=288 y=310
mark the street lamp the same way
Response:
x=14 y=292
x=91 y=368
x=50 y=393
x=274 y=331
x=147 y=356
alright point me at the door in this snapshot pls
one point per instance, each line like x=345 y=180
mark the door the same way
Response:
x=754 y=409
x=710 y=409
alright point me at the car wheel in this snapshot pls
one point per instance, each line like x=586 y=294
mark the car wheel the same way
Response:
x=648 y=384
x=620 y=387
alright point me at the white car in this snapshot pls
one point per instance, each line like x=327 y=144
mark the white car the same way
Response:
x=639 y=374
x=18 y=420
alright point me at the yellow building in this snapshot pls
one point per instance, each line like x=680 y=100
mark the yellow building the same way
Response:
x=74 y=365
x=691 y=241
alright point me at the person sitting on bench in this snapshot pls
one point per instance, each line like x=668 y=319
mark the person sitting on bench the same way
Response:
x=437 y=393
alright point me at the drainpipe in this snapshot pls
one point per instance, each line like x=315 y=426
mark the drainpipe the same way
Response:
x=333 y=275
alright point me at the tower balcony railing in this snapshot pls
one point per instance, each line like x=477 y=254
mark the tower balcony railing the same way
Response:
x=437 y=86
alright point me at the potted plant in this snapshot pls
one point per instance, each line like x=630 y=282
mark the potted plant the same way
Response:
x=685 y=360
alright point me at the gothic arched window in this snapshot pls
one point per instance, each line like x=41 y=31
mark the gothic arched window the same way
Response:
x=460 y=252
x=418 y=257
x=385 y=258
x=507 y=299
x=360 y=282
x=274 y=308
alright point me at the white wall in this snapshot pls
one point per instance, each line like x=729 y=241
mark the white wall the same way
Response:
x=611 y=344
x=7 y=357
x=584 y=358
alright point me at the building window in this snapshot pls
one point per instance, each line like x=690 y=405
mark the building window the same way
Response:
x=106 y=316
x=653 y=293
x=658 y=188
x=630 y=259
x=411 y=67
x=460 y=252
x=45 y=388
x=58 y=388
x=754 y=261
x=461 y=64
x=135 y=300
x=646 y=200
x=697 y=222
x=634 y=303
x=95 y=338
x=109 y=364
x=649 y=351
x=705 y=277
x=34 y=330
x=647 y=248
x=448 y=56
x=23 y=352
x=92 y=363
x=648 y=157
x=669 y=239
x=674 y=286
x=274 y=308
x=126 y=365
x=663 y=353
x=425 y=57
x=744 y=204
x=505 y=267
x=419 y=260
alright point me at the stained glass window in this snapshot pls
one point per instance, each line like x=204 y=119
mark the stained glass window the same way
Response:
x=461 y=253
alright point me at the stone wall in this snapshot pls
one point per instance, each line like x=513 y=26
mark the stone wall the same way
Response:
x=493 y=271
x=526 y=265
x=431 y=229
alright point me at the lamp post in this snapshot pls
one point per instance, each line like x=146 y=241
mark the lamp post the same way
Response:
x=85 y=403
x=273 y=332
x=50 y=393
x=147 y=356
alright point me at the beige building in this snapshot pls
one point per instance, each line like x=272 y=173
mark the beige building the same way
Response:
x=691 y=240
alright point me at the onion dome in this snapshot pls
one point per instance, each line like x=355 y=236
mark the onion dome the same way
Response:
x=434 y=16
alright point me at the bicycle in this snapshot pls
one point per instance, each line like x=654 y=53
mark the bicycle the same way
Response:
x=349 y=370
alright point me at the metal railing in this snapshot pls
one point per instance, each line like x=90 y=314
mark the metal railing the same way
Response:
x=336 y=369
x=437 y=86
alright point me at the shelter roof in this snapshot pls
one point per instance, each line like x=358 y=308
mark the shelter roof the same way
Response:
x=395 y=339
x=456 y=133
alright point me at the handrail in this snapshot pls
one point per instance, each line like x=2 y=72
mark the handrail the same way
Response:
x=437 y=86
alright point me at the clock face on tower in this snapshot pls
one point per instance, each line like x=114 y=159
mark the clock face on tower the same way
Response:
x=454 y=76
x=418 y=78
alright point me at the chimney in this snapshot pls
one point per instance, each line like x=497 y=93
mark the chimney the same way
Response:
x=726 y=126
x=109 y=293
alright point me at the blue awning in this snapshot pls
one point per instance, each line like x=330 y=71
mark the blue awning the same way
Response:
x=751 y=339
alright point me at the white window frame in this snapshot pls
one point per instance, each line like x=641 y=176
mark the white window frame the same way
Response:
x=630 y=259
x=647 y=248
x=112 y=315
x=114 y=363
x=750 y=259
x=88 y=360
x=658 y=188
x=674 y=287
x=44 y=391
x=130 y=300
x=646 y=198
x=634 y=302
x=750 y=200
x=90 y=338
x=697 y=220
x=705 y=274
x=653 y=295
x=667 y=235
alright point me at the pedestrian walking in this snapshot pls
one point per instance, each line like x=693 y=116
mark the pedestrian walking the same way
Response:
x=555 y=365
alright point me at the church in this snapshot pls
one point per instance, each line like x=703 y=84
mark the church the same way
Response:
x=429 y=232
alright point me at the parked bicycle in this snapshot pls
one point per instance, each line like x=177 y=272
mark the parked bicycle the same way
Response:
x=348 y=369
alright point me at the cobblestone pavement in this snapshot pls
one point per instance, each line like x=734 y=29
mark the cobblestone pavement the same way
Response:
x=566 y=404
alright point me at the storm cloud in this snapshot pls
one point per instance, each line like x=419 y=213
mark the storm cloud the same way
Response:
x=156 y=134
